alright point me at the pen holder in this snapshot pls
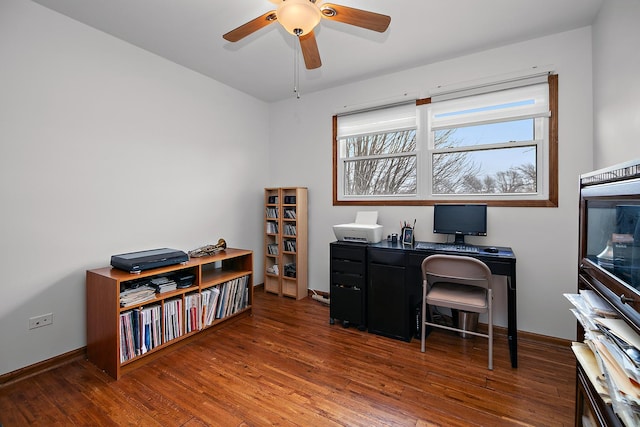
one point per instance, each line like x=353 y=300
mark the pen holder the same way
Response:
x=407 y=235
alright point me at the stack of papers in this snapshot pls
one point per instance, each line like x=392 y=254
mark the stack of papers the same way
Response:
x=135 y=296
x=610 y=354
x=163 y=284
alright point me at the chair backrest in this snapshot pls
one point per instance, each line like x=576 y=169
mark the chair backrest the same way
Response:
x=456 y=269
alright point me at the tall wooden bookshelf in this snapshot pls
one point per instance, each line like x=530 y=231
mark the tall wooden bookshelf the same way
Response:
x=110 y=344
x=285 y=231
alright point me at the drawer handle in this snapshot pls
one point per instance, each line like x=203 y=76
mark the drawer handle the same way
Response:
x=626 y=300
x=353 y=287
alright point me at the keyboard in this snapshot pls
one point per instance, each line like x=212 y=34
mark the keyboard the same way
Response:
x=449 y=247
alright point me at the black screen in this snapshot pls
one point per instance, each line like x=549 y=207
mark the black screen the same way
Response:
x=460 y=220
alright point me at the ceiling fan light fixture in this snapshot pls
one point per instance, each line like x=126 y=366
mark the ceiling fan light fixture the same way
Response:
x=298 y=17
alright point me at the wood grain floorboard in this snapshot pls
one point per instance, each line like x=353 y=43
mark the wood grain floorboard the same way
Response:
x=285 y=365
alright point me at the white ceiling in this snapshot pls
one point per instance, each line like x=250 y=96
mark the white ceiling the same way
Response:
x=189 y=32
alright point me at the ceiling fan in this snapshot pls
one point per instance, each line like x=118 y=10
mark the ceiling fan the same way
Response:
x=300 y=17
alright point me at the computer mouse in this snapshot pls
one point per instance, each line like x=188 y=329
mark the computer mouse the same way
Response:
x=492 y=250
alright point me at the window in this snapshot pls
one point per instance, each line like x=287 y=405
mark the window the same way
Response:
x=379 y=153
x=498 y=147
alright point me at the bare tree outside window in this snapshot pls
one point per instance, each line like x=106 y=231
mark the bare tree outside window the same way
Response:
x=451 y=170
x=386 y=164
x=382 y=164
x=481 y=171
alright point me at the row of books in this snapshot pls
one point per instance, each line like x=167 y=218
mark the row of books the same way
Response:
x=272 y=227
x=145 y=328
x=290 y=229
x=225 y=299
x=140 y=331
x=173 y=318
x=272 y=249
x=192 y=310
x=290 y=245
x=272 y=212
x=290 y=213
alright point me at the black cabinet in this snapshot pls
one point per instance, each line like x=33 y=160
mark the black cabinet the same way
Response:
x=609 y=266
x=348 y=284
x=390 y=297
x=414 y=286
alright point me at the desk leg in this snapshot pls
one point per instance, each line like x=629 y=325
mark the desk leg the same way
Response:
x=512 y=318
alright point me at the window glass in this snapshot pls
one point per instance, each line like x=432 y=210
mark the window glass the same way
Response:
x=386 y=176
x=380 y=144
x=480 y=146
x=382 y=166
x=378 y=153
x=509 y=131
x=494 y=171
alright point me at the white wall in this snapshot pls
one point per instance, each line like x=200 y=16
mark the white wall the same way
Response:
x=106 y=148
x=616 y=62
x=544 y=239
x=95 y=132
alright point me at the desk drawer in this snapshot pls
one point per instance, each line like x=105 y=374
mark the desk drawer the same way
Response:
x=394 y=258
x=345 y=252
x=347 y=266
x=342 y=279
x=348 y=305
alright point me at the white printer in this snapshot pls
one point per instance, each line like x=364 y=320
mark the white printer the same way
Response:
x=364 y=230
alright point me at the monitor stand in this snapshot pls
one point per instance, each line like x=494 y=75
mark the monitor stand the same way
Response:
x=459 y=239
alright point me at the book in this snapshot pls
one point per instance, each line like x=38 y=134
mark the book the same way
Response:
x=127 y=345
x=215 y=295
x=173 y=319
x=192 y=312
x=224 y=296
x=232 y=296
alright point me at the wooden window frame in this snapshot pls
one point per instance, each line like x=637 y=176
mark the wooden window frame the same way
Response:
x=550 y=202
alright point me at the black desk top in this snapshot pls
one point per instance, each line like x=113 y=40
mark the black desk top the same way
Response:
x=504 y=253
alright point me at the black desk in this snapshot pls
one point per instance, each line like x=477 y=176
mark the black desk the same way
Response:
x=394 y=286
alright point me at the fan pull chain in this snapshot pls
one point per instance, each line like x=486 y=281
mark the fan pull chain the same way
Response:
x=296 y=68
x=296 y=73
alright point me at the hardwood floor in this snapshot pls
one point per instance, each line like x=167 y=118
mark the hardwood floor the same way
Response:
x=285 y=365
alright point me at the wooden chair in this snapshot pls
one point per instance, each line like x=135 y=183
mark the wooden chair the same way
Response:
x=459 y=283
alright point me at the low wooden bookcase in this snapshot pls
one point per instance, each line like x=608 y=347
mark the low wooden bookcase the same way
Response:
x=228 y=270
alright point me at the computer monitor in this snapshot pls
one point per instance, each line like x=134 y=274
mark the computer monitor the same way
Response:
x=460 y=220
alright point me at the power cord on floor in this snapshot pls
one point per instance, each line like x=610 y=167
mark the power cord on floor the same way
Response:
x=316 y=296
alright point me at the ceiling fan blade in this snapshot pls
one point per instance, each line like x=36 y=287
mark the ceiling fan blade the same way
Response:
x=359 y=18
x=310 y=51
x=250 y=27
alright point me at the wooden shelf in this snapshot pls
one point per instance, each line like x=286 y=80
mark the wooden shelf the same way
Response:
x=290 y=203
x=103 y=287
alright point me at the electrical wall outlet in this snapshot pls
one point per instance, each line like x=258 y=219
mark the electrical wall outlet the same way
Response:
x=39 y=321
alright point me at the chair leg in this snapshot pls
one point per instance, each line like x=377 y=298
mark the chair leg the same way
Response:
x=490 y=326
x=423 y=327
